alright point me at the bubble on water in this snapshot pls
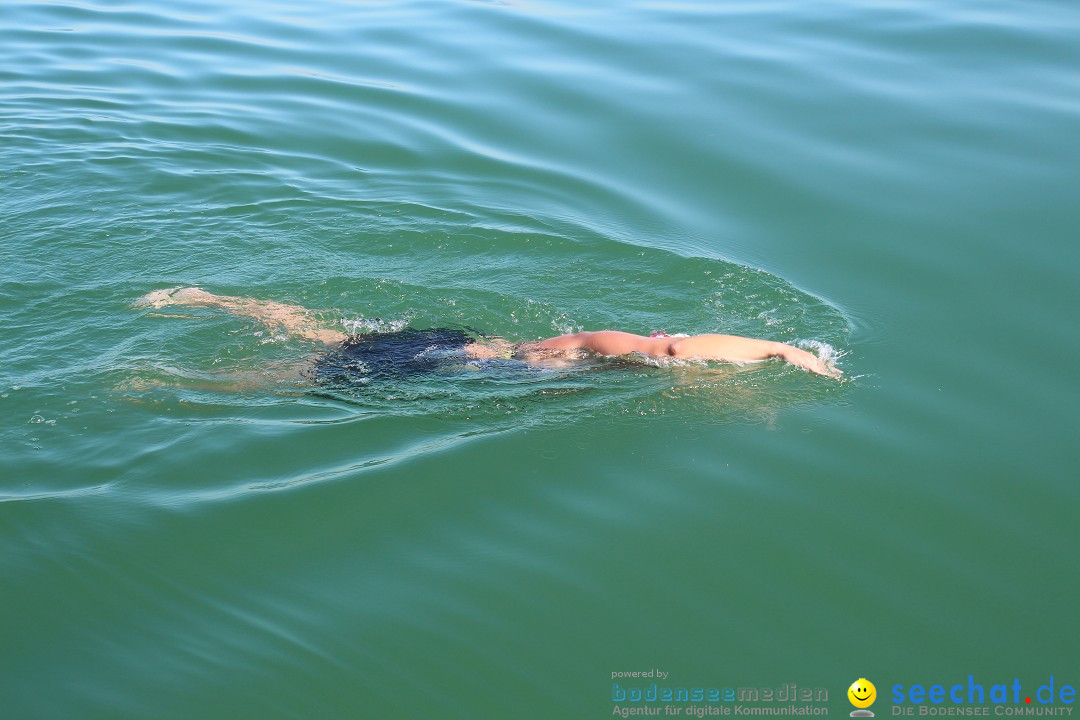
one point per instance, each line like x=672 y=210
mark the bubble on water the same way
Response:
x=36 y=419
x=769 y=317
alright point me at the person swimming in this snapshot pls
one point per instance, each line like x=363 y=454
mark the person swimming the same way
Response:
x=404 y=351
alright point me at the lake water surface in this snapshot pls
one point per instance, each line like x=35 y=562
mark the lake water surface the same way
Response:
x=191 y=530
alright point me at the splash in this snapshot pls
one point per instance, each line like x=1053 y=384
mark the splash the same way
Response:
x=364 y=326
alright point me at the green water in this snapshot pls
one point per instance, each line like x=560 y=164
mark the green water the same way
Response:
x=187 y=533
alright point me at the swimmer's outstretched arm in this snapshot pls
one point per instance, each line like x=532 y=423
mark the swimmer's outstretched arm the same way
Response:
x=732 y=348
x=294 y=319
x=725 y=348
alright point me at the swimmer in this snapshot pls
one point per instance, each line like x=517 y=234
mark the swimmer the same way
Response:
x=300 y=322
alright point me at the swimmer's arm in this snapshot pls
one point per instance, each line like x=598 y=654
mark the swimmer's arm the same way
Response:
x=732 y=348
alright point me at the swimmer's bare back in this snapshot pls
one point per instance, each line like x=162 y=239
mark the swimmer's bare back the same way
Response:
x=301 y=322
x=722 y=348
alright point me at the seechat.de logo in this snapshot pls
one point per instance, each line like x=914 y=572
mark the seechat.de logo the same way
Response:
x=862 y=695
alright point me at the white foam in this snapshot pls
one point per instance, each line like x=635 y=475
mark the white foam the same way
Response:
x=362 y=326
x=823 y=350
x=439 y=351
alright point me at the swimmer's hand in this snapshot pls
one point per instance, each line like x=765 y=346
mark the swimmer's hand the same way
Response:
x=808 y=361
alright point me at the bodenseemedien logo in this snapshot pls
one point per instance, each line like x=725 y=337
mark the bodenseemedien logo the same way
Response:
x=862 y=695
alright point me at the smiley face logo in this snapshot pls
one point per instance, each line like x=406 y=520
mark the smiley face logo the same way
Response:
x=862 y=693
